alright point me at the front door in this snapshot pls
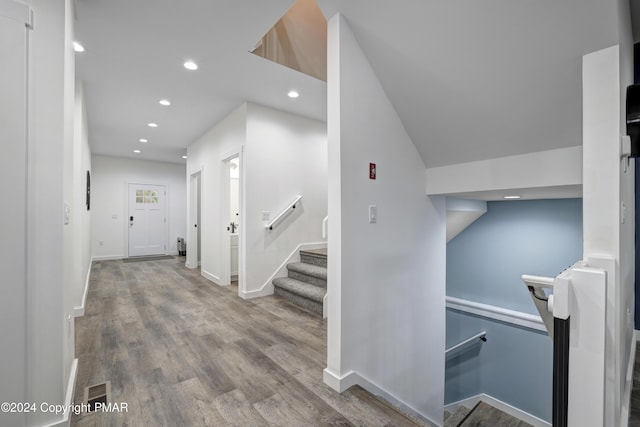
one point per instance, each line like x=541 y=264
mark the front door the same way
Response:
x=147 y=231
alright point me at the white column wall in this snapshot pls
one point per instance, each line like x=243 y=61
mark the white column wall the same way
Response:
x=608 y=194
x=386 y=320
x=13 y=187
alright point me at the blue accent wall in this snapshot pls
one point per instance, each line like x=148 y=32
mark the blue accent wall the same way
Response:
x=484 y=264
x=539 y=237
x=514 y=365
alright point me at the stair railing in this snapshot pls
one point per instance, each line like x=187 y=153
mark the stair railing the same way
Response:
x=479 y=337
x=290 y=207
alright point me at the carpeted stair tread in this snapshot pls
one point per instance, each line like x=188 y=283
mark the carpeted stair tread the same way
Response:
x=303 y=289
x=314 y=257
x=308 y=270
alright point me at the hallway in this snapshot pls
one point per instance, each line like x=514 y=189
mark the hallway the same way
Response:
x=181 y=351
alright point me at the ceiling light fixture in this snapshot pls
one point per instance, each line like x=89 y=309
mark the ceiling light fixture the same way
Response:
x=137 y=151
x=78 y=47
x=143 y=140
x=190 y=65
x=165 y=102
x=184 y=157
x=293 y=94
x=153 y=125
x=511 y=197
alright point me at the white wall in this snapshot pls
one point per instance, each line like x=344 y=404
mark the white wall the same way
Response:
x=13 y=187
x=109 y=179
x=207 y=155
x=282 y=155
x=41 y=313
x=285 y=155
x=81 y=216
x=386 y=288
x=606 y=189
x=561 y=167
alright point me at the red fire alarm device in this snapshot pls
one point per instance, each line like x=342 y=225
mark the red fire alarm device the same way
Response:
x=372 y=171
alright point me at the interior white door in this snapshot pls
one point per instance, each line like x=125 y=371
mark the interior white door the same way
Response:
x=147 y=231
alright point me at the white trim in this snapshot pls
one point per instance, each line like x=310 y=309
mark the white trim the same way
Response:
x=267 y=287
x=342 y=383
x=79 y=311
x=71 y=386
x=107 y=257
x=215 y=279
x=628 y=384
x=519 y=318
x=262 y=292
x=16 y=11
x=498 y=404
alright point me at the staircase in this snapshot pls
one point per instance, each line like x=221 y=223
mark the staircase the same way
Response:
x=306 y=283
x=482 y=415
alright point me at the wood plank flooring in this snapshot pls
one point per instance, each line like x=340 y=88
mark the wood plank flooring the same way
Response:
x=181 y=351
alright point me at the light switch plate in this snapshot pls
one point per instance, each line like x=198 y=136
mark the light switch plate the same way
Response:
x=373 y=214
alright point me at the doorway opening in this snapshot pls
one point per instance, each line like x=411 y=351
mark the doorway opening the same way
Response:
x=234 y=217
x=194 y=233
x=232 y=221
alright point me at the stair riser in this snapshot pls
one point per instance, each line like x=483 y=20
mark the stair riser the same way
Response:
x=305 y=303
x=308 y=279
x=314 y=260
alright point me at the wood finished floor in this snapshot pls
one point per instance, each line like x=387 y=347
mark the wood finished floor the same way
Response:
x=181 y=351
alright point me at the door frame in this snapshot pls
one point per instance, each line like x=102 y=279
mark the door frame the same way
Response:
x=125 y=218
x=225 y=241
x=192 y=217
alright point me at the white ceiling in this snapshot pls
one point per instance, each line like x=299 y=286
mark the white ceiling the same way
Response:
x=471 y=79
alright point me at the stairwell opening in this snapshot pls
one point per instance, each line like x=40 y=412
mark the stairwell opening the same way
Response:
x=298 y=40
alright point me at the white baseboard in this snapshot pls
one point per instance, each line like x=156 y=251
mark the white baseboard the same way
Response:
x=68 y=400
x=262 y=292
x=107 y=257
x=498 y=404
x=79 y=310
x=215 y=279
x=267 y=287
x=628 y=383
x=342 y=383
x=339 y=383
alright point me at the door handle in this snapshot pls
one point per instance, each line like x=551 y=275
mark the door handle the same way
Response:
x=195 y=225
x=130 y=221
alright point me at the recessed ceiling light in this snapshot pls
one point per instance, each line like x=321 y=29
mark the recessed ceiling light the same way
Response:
x=511 y=197
x=153 y=125
x=190 y=65
x=78 y=47
x=184 y=157
x=293 y=94
x=137 y=151
x=165 y=102
x=143 y=140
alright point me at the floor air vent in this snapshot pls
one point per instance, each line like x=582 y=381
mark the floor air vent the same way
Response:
x=97 y=395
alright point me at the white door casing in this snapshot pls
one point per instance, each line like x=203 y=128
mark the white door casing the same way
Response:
x=147 y=219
